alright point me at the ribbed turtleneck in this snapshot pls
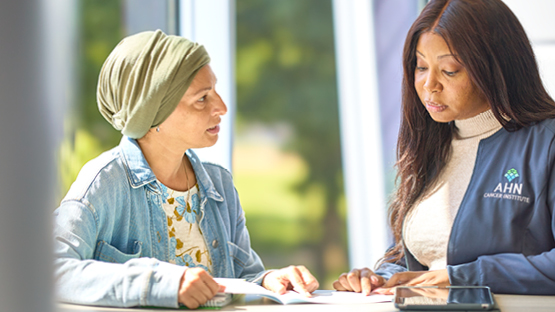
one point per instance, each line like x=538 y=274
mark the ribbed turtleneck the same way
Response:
x=428 y=226
x=479 y=125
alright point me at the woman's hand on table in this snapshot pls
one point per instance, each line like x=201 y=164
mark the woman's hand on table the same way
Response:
x=197 y=287
x=359 y=280
x=415 y=278
x=296 y=278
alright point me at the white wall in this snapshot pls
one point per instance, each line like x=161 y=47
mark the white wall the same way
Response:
x=538 y=19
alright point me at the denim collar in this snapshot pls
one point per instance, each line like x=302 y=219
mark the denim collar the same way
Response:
x=140 y=174
x=203 y=179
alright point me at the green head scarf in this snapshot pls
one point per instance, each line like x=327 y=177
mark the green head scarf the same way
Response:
x=144 y=78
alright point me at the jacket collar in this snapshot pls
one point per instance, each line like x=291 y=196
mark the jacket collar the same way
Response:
x=140 y=173
x=138 y=170
x=203 y=179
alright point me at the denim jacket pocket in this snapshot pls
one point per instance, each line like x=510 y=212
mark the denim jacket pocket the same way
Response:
x=240 y=258
x=108 y=253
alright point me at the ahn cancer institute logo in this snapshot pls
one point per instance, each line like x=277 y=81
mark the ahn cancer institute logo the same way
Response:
x=509 y=190
x=511 y=174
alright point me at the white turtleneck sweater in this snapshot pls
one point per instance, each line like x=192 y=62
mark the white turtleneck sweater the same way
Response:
x=428 y=227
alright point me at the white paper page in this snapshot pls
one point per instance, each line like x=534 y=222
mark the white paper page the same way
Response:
x=344 y=297
x=238 y=286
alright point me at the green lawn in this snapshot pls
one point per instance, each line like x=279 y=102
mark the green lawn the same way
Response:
x=285 y=225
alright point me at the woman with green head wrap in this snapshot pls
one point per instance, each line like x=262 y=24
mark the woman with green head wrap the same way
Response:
x=147 y=223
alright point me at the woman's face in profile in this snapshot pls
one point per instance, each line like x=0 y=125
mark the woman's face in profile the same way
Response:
x=195 y=121
x=443 y=84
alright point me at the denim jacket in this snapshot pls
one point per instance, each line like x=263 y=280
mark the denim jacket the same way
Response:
x=503 y=235
x=111 y=233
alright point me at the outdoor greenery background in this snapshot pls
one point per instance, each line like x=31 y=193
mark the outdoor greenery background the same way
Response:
x=286 y=156
x=286 y=85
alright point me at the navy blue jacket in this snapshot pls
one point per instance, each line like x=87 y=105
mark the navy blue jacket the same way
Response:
x=503 y=235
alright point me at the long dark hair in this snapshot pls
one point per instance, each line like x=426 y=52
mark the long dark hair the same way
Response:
x=491 y=44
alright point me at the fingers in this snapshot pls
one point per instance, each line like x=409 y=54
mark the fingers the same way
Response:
x=343 y=283
x=211 y=286
x=310 y=281
x=293 y=277
x=302 y=281
x=398 y=279
x=395 y=280
x=197 y=287
x=359 y=280
x=366 y=279
x=420 y=278
x=369 y=280
x=410 y=278
x=353 y=278
x=337 y=286
x=221 y=288
x=274 y=282
x=384 y=291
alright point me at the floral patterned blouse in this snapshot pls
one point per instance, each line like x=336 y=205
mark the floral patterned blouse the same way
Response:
x=185 y=235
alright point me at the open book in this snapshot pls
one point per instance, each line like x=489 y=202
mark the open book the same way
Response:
x=239 y=286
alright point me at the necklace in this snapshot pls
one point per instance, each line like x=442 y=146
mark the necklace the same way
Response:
x=188 y=190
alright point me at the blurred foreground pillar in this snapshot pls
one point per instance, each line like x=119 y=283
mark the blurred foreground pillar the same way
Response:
x=28 y=127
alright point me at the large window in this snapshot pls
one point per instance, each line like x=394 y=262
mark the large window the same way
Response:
x=100 y=28
x=283 y=97
x=287 y=153
x=101 y=25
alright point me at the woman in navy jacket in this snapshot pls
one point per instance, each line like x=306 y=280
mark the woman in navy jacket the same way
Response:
x=475 y=195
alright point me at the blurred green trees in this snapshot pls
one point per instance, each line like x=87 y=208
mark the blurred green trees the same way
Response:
x=87 y=133
x=286 y=74
x=102 y=29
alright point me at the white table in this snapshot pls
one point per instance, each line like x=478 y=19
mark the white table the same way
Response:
x=507 y=303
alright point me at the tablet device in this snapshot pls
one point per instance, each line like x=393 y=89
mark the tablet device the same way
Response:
x=451 y=298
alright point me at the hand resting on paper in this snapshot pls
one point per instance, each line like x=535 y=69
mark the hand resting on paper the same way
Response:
x=296 y=278
x=197 y=287
x=366 y=281
x=359 y=280
x=415 y=278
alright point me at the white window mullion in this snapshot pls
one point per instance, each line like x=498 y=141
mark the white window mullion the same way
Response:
x=212 y=24
x=360 y=130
